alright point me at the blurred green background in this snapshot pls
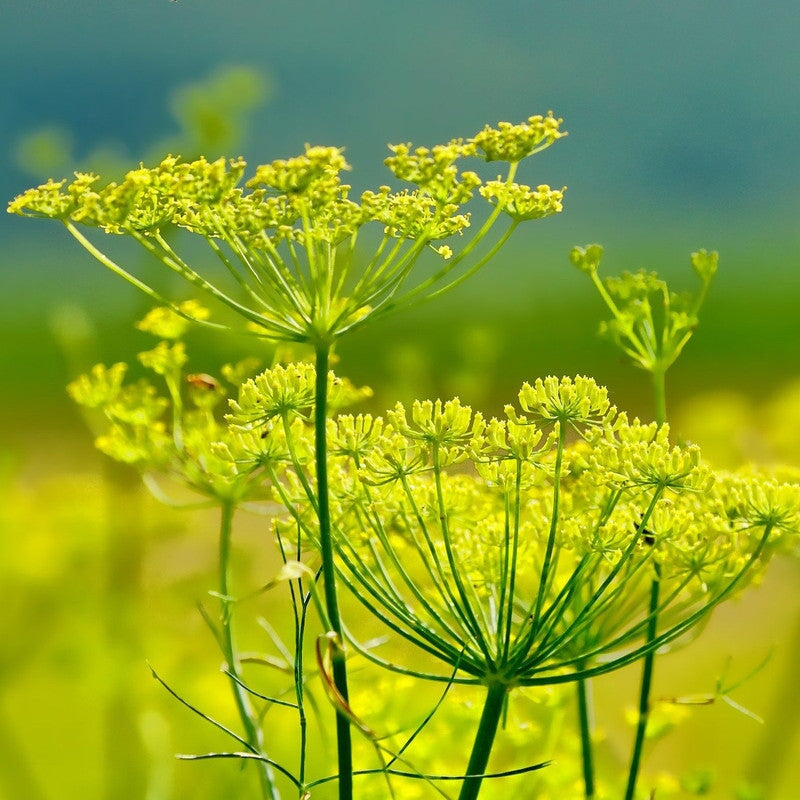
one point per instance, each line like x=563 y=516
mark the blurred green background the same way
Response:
x=683 y=120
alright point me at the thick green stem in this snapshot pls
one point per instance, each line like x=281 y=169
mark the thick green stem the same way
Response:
x=484 y=739
x=252 y=731
x=339 y=666
x=644 y=691
x=585 y=725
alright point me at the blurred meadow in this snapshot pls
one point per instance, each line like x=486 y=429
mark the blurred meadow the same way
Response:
x=683 y=123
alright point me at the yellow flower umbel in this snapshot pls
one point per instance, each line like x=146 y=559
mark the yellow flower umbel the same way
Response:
x=538 y=553
x=520 y=559
x=288 y=236
x=650 y=323
x=516 y=557
x=174 y=435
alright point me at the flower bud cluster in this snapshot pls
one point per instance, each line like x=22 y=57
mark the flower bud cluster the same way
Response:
x=512 y=143
x=316 y=169
x=574 y=401
x=648 y=322
x=287 y=392
x=434 y=170
x=521 y=202
x=174 y=434
x=413 y=216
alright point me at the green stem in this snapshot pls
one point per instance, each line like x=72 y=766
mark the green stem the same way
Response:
x=484 y=739
x=584 y=720
x=544 y=579
x=247 y=716
x=644 y=691
x=660 y=395
x=343 y=735
x=660 y=398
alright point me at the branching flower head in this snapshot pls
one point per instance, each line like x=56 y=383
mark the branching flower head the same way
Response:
x=309 y=174
x=448 y=428
x=354 y=437
x=650 y=323
x=174 y=434
x=434 y=170
x=761 y=503
x=287 y=392
x=566 y=401
x=513 y=555
x=288 y=236
x=640 y=455
x=512 y=143
x=521 y=202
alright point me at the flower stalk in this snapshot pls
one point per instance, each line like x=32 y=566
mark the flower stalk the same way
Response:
x=496 y=695
x=252 y=731
x=648 y=662
x=338 y=657
x=651 y=325
x=645 y=688
x=583 y=687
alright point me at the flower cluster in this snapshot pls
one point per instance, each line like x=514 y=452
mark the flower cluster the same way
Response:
x=287 y=236
x=434 y=170
x=650 y=323
x=516 y=556
x=506 y=551
x=512 y=143
x=175 y=434
x=521 y=202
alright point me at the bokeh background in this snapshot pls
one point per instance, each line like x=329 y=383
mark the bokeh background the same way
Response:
x=684 y=120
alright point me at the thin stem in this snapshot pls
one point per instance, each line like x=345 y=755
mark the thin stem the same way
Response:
x=440 y=575
x=510 y=576
x=243 y=284
x=339 y=666
x=553 y=676
x=660 y=395
x=476 y=266
x=544 y=579
x=638 y=350
x=247 y=716
x=160 y=249
x=375 y=578
x=648 y=663
x=484 y=739
x=464 y=607
x=602 y=596
x=134 y=281
x=585 y=723
x=300 y=600
x=644 y=692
